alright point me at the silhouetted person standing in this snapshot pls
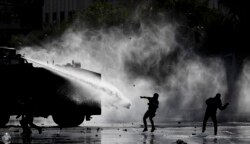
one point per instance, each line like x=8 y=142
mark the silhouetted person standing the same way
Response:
x=212 y=105
x=150 y=113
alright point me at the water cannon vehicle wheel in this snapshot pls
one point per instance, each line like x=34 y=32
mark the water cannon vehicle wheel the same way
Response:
x=4 y=118
x=68 y=119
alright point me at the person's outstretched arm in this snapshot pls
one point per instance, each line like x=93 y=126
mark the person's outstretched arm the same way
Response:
x=223 y=107
x=145 y=97
x=18 y=116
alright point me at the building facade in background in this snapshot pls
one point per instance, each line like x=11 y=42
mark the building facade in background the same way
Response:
x=56 y=11
x=21 y=14
x=24 y=16
x=19 y=17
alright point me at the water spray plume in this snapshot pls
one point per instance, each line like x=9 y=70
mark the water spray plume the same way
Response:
x=100 y=86
x=152 y=60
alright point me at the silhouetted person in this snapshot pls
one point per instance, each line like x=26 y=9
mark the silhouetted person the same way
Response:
x=150 y=113
x=28 y=117
x=23 y=121
x=24 y=125
x=20 y=59
x=212 y=105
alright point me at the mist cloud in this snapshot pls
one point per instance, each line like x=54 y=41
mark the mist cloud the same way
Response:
x=243 y=84
x=142 y=63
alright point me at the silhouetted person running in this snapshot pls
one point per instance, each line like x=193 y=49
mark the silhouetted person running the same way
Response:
x=23 y=121
x=150 y=113
x=212 y=105
x=24 y=125
x=28 y=117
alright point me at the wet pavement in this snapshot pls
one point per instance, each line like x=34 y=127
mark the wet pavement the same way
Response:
x=131 y=134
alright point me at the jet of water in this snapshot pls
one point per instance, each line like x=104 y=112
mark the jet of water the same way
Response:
x=111 y=92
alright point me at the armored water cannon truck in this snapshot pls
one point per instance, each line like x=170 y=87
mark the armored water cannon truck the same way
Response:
x=69 y=102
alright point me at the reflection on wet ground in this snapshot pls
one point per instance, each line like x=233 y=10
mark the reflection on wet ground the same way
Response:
x=130 y=134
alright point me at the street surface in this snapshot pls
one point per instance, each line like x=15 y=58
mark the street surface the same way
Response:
x=132 y=134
